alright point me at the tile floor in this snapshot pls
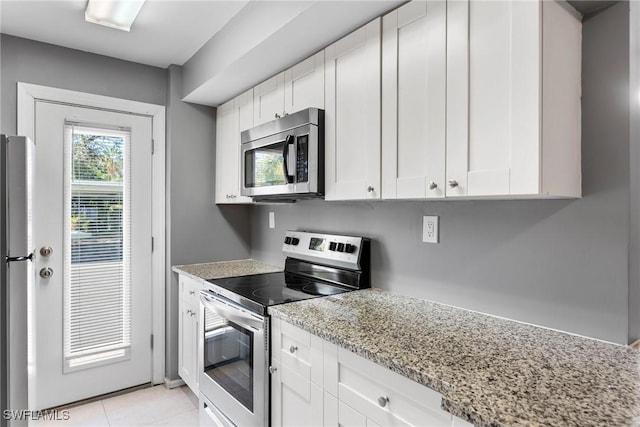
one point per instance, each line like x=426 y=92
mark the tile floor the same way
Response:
x=153 y=406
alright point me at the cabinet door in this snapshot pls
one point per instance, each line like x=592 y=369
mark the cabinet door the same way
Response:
x=268 y=100
x=231 y=117
x=414 y=104
x=187 y=346
x=493 y=98
x=294 y=400
x=352 y=115
x=244 y=105
x=304 y=84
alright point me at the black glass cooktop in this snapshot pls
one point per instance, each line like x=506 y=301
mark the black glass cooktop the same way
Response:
x=260 y=291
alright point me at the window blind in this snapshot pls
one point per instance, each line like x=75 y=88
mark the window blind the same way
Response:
x=97 y=284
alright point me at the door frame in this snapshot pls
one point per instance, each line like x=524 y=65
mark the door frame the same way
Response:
x=28 y=94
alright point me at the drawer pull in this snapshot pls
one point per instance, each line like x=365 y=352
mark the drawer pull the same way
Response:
x=382 y=401
x=293 y=349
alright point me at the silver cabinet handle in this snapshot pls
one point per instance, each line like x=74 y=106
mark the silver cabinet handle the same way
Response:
x=433 y=185
x=453 y=183
x=293 y=349
x=277 y=116
x=382 y=401
x=370 y=189
x=46 y=251
x=272 y=370
x=46 y=272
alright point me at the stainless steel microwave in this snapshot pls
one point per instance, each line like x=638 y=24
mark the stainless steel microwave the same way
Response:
x=284 y=159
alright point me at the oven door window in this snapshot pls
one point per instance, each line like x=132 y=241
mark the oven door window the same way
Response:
x=264 y=166
x=228 y=357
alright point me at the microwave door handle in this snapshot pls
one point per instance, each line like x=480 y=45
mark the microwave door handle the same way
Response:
x=285 y=154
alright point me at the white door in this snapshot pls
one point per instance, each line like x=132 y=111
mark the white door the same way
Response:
x=414 y=100
x=493 y=97
x=352 y=115
x=91 y=319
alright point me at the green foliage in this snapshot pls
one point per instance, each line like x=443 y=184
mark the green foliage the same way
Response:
x=271 y=171
x=98 y=158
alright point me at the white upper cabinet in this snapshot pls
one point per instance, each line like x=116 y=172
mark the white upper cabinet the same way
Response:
x=300 y=87
x=352 y=115
x=304 y=84
x=513 y=99
x=414 y=101
x=231 y=116
x=268 y=100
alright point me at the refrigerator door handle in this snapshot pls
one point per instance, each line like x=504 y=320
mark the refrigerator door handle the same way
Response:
x=19 y=258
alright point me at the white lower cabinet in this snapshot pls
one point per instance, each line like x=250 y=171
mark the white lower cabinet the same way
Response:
x=188 y=322
x=340 y=388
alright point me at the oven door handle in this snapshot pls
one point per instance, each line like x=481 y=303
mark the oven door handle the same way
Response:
x=232 y=312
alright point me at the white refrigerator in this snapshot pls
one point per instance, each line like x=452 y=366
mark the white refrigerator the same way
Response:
x=16 y=254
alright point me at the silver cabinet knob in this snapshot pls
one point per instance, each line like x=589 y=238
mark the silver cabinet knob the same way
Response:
x=370 y=189
x=284 y=113
x=382 y=401
x=192 y=292
x=433 y=185
x=277 y=116
x=453 y=183
x=46 y=251
x=293 y=349
x=272 y=369
x=46 y=272
x=193 y=313
x=188 y=311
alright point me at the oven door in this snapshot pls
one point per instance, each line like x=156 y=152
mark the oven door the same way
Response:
x=233 y=360
x=281 y=164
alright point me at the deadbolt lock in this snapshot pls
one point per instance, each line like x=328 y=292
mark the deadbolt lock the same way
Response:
x=46 y=272
x=46 y=251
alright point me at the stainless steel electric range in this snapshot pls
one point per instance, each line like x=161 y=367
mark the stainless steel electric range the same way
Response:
x=234 y=337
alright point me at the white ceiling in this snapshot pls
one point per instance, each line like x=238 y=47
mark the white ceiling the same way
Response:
x=226 y=46
x=166 y=32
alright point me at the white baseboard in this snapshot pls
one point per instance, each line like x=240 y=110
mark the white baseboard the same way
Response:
x=173 y=383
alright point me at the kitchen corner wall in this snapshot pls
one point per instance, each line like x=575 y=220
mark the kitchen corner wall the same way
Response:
x=556 y=263
x=200 y=231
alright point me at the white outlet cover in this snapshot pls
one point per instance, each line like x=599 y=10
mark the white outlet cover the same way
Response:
x=430 y=229
x=272 y=220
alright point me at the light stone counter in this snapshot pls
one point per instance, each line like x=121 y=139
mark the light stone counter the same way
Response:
x=222 y=269
x=491 y=371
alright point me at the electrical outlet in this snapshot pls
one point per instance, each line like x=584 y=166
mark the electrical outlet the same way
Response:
x=430 y=229
x=272 y=220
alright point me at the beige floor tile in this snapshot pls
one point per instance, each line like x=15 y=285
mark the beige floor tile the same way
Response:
x=186 y=419
x=144 y=407
x=90 y=414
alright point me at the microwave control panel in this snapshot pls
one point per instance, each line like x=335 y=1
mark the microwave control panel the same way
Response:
x=343 y=251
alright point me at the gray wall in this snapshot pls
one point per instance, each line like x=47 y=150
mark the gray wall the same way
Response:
x=200 y=231
x=557 y=263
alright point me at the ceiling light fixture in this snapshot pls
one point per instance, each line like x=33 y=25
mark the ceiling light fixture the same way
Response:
x=118 y=14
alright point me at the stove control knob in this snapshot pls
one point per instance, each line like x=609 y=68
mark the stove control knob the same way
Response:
x=349 y=248
x=295 y=241
x=287 y=240
x=332 y=246
x=340 y=247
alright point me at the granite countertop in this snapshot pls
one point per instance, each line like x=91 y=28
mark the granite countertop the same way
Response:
x=490 y=371
x=222 y=269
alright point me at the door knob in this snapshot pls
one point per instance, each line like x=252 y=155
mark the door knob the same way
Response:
x=46 y=251
x=293 y=349
x=277 y=116
x=433 y=185
x=46 y=272
x=370 y=189
x=272 y=369
x=382 y=401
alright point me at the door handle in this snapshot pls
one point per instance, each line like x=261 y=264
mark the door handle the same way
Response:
x=46 y=272
x=285 y=154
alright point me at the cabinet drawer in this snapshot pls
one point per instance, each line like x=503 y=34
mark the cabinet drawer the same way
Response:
x=189 y=291
x=385 y=397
